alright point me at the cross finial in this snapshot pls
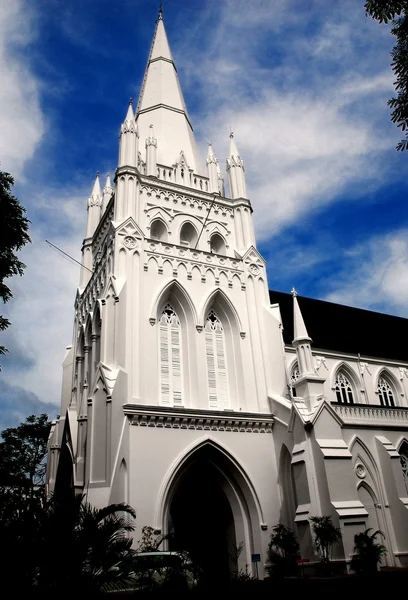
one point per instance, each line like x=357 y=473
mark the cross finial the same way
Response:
x=293 y=292
x=97 y=173
x=231 y=133
x=131 y=100
x=161 y=9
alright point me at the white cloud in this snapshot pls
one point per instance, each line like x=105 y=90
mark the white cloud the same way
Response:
x=41 y=311
x=308 y=110
x=21 y=119
x=375 y=275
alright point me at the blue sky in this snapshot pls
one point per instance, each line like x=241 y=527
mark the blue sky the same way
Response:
x=304 y=86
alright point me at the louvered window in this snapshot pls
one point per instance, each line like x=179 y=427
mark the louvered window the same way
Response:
x=344 y=390
x=170 y=358
x=218 y=394
x=385 y=393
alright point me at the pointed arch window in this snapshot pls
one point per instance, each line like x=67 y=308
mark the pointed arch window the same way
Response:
x=158 y=231
x=385 y=392
x=188 y=235
x=218 y=393
x=294 y=376
x=404 y=463
x=344 y=389
x=217 y=244
x=171 y=388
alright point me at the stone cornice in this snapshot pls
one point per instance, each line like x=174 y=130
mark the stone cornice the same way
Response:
x=187 y=418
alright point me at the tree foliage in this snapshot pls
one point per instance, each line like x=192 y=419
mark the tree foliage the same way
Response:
x=94 y=547
x=13 y=236
x=326 y=534
x=395 y=12
x=23 y=451
x=65 y=546
x=367 y=552
x=283 y=550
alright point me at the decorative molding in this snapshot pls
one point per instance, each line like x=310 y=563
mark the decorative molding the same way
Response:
x=403 y=371
x=360 y=471
x=183 y=418
x=152 y=321
x=364 y=367
x=130 y=242
x=242 y=334
x=321 y=360
x=185 y=196
x=192 y=256
x=199 y=328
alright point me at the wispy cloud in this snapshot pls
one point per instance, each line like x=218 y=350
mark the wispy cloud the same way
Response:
x=374 y=275
x=21 y=118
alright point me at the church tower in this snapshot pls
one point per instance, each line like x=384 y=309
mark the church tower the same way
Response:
x=167 y=384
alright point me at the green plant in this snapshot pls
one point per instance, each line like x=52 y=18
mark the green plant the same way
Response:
x=367 y=552
x=325 y=536
x=283 y=550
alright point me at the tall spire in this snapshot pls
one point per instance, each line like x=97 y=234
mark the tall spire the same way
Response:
x=236 y=171
x=301 y=339
x=161 y=103
x=299 y=327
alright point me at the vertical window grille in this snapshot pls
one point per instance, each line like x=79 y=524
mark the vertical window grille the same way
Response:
x=218 y=393
x=170 y=358
x=344 y=390
x=385 y=393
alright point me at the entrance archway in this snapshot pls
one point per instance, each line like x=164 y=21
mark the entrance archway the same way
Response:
x=211 y=512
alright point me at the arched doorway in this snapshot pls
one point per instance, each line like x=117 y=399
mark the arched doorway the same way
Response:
x=210 y=512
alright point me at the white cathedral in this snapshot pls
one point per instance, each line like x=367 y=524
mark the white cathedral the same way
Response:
x=192 y=392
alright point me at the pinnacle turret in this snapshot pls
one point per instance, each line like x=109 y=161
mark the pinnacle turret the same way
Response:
x=236 y=171
x=151 y=153
x=128 y=145
x=107 y=193
x=212 y=170
x=94 y=207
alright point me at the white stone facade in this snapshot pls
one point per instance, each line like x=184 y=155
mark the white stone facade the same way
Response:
x=178 y=365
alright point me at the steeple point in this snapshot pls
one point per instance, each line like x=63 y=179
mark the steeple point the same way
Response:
x=299 y=327
x=161 y=102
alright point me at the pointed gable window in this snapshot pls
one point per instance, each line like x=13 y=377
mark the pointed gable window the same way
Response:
x=170 y=358
x=294 y=376
x=344 y=390
x=385 y=392
x=218 y=394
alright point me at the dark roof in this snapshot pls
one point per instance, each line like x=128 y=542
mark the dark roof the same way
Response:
x=346 y=329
